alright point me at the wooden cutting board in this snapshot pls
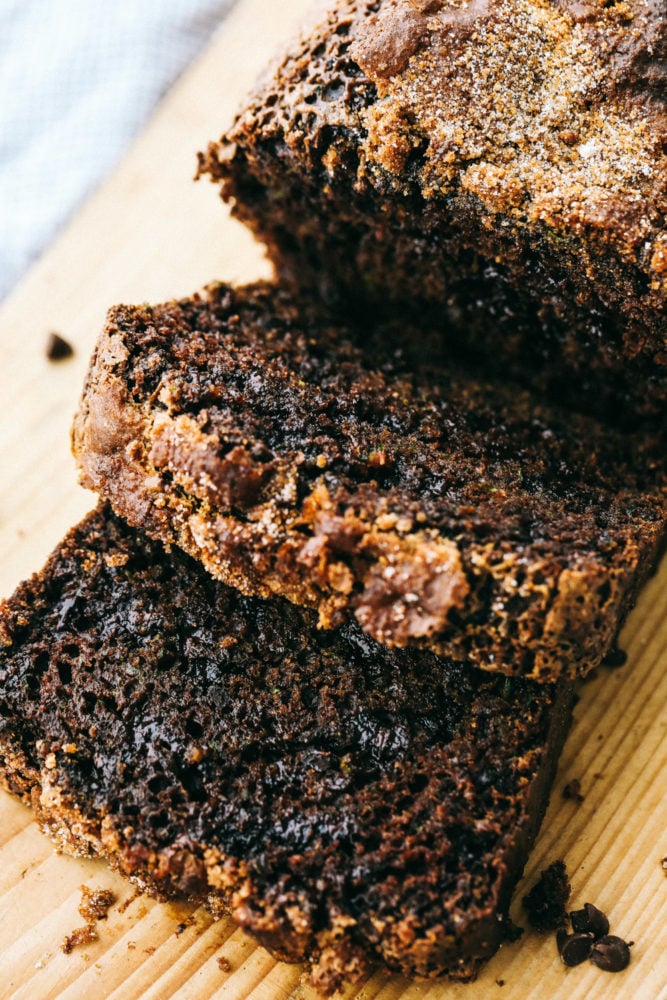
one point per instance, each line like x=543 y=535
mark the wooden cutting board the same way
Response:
x=151 y=234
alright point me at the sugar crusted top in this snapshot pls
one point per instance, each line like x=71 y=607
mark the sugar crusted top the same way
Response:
x=547 y=111
x=508 y=96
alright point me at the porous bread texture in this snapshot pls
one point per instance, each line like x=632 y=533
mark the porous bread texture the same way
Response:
x=352 y=471
x=344 y=802
x=503 y=162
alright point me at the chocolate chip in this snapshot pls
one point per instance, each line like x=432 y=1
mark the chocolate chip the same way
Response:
x=589 y=920
x=615 y=658
x=57 y=348
x=574 y=948
x=663 y=865
x=610 y=953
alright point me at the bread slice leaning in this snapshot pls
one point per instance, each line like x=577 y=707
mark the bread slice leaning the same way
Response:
x=356 y=471
x=345 y=803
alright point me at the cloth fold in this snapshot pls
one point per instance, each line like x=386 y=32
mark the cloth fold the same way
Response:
x=78 y=80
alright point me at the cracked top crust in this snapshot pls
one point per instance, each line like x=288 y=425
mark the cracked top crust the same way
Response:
x=546 y=111
x=531 y=106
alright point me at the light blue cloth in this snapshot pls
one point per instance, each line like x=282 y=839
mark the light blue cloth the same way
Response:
x=78 y=79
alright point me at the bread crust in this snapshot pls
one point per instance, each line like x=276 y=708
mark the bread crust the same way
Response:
x=501 y=163
x=345 y=803
x=351 y=471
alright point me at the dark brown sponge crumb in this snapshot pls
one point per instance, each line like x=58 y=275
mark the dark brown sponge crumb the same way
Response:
x=546 y=902
x=345 y=803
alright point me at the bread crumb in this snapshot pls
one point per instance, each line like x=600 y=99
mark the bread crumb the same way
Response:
x=95 y=903
x=80 y=935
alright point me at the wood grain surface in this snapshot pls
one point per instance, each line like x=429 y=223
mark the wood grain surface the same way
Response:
x=151 y=234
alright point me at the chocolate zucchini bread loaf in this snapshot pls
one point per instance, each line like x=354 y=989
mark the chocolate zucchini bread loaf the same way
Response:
x=501 y=162
x=350 y=471
x=344 y=802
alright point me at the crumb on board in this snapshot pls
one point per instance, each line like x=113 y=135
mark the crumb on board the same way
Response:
x=592 y=675
x=94 y=906
x=95 y=903
x=223 y=964
x=572 y=790
x=80 y=935
x=545 y=903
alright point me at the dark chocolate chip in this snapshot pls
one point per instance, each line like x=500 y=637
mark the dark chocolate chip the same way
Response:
x=574 y=948
x=663 y=865
x=589 y=920
x=615 y=658
x=610 y=953
x=57 y=348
